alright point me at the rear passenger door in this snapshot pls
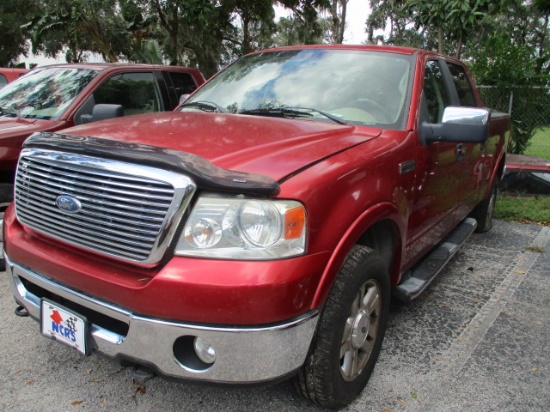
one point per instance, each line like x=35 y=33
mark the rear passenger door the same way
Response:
x=439 y=168
x=473 y=155
x=179 y=84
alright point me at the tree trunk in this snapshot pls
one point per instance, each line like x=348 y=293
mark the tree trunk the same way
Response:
x=459 y=46
x=343 y=21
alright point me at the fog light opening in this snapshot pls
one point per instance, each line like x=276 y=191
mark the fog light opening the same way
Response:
x=194 y=353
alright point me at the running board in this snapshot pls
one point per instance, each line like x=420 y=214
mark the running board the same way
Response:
x=416 y=280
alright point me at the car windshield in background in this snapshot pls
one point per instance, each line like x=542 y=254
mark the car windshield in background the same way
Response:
x=44 y=93
x=346 y=86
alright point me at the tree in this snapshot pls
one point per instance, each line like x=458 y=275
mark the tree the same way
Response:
x=14 y=42
x=394 y=18
x=511 y=53
x=78 y=26
x=435 y=23
x=305 y=12
x=338 y=11
x=253 y=14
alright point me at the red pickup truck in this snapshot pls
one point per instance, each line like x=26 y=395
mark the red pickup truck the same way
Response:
x=9 y=75
x=56 y=97
x=258 y=232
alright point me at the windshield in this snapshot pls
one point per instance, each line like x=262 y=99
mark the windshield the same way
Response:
x=358 y=87
x=44 y=93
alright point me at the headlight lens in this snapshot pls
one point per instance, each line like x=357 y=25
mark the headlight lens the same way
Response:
x=239 y=228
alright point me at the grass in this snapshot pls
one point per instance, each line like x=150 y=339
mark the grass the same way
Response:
x=539 y=145
x=528 y=209
x=525 y=209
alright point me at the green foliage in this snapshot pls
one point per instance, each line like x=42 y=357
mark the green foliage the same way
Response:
x=511 y=68
x=78 y=26
x=13 y=40
x=150 y=53
x=431 y=24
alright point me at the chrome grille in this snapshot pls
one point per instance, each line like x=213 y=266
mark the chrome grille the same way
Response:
x=122 y=210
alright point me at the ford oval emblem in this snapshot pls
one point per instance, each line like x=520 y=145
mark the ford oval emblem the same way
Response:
x=68 y=204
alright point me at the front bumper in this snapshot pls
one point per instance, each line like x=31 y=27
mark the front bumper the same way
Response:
x=244 y=354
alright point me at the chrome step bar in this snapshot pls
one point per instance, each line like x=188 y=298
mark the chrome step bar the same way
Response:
x=417 y=279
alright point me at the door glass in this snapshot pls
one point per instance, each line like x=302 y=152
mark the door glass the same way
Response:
x=136 y=92
x=435 y=93
x=183 y=83
x=463 y=87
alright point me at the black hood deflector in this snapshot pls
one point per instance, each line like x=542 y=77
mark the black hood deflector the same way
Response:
x=206 y=175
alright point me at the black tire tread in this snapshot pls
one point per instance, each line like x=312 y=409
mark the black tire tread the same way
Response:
x=314 y=380
x=480 y=213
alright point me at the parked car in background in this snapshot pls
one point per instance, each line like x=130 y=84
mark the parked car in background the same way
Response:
x=55 y=97
x=8 y=75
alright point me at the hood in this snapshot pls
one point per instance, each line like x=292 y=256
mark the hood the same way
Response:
x=262 y=145
x=14 y=131
x=18 y=126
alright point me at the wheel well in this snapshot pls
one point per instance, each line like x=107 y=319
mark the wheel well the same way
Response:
x=384 y=237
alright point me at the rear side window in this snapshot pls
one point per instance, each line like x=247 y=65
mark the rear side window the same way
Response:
x=3 y=80
x=435 y=92
x=463 y=86
x=183 y=83
x=136 y=92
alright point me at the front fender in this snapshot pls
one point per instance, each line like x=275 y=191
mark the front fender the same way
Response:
x=376 y=213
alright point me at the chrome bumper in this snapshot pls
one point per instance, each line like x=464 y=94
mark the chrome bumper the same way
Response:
x=244 y=354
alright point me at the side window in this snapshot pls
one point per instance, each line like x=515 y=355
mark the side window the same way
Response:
x=183 y=83
x=462 y=84
x=435 y=92
x=136 y=92
x=3 y=80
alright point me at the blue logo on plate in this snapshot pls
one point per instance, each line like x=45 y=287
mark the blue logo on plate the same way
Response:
x=68 y=204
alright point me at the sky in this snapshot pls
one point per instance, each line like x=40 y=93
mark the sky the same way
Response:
x=357 y=13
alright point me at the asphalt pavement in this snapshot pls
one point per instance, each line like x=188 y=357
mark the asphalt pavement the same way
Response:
x=478 y=339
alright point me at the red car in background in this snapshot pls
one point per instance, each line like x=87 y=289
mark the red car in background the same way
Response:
x=8 y=75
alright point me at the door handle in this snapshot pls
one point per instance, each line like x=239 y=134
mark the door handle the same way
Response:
x=459 y=152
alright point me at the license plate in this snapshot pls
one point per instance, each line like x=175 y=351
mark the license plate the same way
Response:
x=64 y=325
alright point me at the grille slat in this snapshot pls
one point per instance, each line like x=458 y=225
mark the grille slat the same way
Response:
x=63 y=220
x=65 y=184
x=156 y=215
x=121 y=210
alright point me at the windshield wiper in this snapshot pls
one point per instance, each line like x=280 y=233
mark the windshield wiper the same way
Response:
x=5 y=111
x=288 y=111
x=205 y=106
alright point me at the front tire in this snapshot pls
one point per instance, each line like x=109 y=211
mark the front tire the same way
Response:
x=349 y=333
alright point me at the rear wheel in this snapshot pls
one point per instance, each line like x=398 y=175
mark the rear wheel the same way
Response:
x=350 y=332
x=483 y=213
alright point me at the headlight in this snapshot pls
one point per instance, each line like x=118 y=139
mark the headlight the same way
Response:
x=239 y=228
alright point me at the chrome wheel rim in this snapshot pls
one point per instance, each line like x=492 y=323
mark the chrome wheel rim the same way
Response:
x=360 y=331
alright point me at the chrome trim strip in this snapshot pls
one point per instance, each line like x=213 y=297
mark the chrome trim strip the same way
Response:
x=244 y=354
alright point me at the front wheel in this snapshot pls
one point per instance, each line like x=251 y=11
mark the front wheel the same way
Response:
x=349 y=333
